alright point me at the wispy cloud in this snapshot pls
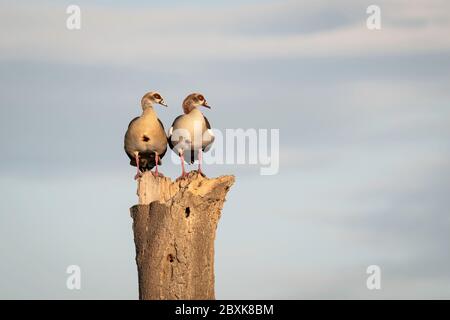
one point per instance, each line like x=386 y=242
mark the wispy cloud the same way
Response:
x=141 y=36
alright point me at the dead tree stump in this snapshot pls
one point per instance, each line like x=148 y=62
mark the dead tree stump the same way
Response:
x=174 y=228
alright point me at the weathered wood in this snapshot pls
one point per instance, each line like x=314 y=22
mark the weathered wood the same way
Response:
x=174 y=229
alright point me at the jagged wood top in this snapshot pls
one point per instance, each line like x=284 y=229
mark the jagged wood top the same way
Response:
x=163 y=189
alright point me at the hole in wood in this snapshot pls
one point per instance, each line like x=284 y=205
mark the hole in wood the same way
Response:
x=170 y=258
x=187 y=211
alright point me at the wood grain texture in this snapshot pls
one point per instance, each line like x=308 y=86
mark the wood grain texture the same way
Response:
x=174 y=228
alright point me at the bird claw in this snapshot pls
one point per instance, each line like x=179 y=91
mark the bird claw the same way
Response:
x=183 y=176
x=200 y=172
x=157 y=174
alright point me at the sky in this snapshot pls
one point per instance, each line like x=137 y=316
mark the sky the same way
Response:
x=364 y=123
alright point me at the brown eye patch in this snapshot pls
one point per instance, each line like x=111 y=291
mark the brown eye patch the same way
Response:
x=157 y=96
x=200 y=97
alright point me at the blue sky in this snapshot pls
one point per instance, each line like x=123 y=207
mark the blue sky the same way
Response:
x=364 y=142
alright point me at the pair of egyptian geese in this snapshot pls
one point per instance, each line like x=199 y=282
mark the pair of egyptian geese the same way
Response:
x=190 y=135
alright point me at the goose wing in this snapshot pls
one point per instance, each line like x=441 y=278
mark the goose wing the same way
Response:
x=209 y=136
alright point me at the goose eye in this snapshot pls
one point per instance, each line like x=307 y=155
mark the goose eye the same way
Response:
x=157 y=96
x=200 y=97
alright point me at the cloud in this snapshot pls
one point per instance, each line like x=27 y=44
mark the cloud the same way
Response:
x=149 y=36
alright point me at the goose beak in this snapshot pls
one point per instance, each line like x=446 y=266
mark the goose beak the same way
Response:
x=163 y=103
x=206 y=105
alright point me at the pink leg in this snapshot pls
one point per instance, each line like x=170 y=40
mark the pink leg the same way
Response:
x=138 y=174
x=200 y=156
x=156 y=173
x=183 y=172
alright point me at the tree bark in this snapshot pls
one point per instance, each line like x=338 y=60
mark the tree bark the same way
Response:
x=174 y=228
